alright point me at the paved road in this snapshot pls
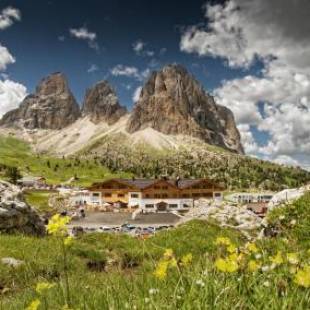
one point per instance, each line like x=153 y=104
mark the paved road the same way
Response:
x=97 y=219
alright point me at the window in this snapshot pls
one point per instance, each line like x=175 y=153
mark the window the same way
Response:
x=217 y=195
x=120 y=195
x=185 y=195
x=164 y=187
x=173 y=205
x=149 y=206
x=157 y=196
x=147 y=196
x=196 y=194
x=185 y=205
x=107 y=195
x=164 y=195
x=156 y=187
x=134 y=195
x=95 y=194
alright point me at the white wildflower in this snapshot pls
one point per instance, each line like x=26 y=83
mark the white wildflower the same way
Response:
x=266 y=283
x=153 y=291
x=200 y=283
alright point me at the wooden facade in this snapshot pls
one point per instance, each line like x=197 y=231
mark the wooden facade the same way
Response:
x=115 y=190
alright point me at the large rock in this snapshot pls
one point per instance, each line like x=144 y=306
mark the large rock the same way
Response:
x=52 y=106
x=173 y=102
x=101 y=104
x=15 y=215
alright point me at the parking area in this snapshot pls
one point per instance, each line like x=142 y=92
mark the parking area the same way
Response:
x=110 y=219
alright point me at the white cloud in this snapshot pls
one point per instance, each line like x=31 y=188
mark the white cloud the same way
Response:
x=136 y=94
x=11 y=94
x=286 y=160
x=5 y=57
x=277 y=33
x=139 y=48
x=84 y=34
x=92 y=68
x=8 y=16
x=130 y=71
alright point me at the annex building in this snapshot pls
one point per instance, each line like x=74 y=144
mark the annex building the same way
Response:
x=154 y=194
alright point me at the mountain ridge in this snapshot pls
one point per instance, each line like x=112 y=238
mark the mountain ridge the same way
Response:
x=191 y=111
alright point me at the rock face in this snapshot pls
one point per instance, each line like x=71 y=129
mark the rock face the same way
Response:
x=101 y=104
x=52 y=106
x=173 y=102
x=15 y=215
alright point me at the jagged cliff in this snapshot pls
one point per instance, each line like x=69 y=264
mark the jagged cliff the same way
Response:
x=173 y=102
x=52 y=106
x=101 y=104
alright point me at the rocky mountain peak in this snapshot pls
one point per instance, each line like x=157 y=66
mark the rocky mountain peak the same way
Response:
x=173 y=102
x=54 y=84
x=51 y=106
x=101 y=104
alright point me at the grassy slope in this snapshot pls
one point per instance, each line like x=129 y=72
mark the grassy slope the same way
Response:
x=38 y=199
x=14 y=152
x=194 y=160
x=197 y=286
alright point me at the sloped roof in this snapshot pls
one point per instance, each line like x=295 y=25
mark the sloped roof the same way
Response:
x=144 y=183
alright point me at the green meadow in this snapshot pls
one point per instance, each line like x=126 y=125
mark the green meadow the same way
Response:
x=17 y=153
x=198 y=265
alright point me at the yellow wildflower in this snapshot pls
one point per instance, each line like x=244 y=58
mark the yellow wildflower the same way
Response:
x=233 y=256
x=34 y=305
x=253 y=265
x=292 y=258
x=302 y=277
x=57 y=225
x=251 y=247
x=68 y=241
x=226 y=265
x=173 y=262
x=43 y=286
x=161 y=270
x=231 y=248
x=187 y=259
x=277 y=259
x=222 y=241
x=168 y=253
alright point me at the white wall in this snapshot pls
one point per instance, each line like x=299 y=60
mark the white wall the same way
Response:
x=178 y=201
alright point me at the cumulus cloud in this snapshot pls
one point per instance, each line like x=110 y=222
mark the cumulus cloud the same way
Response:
x=130 y=71
x=5 y=57
x=11 y=94
x=92 y=68
x=277 y=101
x=139 y=48
x=136 y=94
x=8 y=16
x=84 y=34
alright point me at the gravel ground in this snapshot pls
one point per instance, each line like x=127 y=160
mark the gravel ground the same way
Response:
x=116 y=219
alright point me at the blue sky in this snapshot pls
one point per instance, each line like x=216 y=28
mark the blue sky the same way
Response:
x=36 y=45
x=254 y=56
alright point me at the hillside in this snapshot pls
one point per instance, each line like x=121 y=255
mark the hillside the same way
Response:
x=17 y=153
x=194 y=265
x=193 y=159
x=116 y=154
